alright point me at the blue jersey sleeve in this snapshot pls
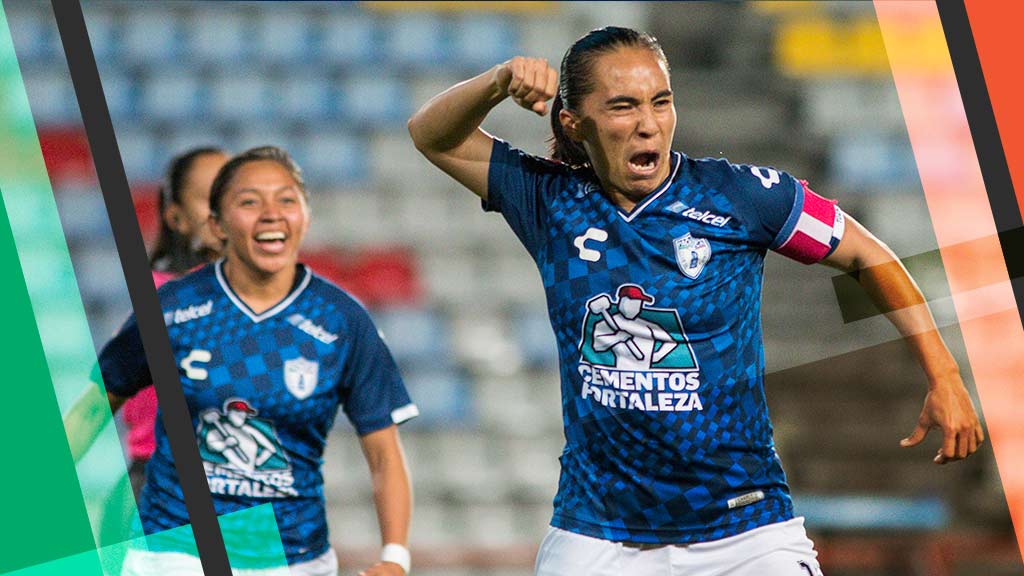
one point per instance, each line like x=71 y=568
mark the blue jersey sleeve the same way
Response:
x=772 y=197
x=520 y=187
x=373 y=394
x=122 y=362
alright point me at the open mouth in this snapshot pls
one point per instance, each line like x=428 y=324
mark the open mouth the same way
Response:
x=271 y=241
x=644 y=163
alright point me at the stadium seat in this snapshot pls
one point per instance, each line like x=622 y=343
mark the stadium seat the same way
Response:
x=870 y=160
x=151 y=36
x=416 y=335
x=52 y=96
x=139 y=154
x=305 y=99
x=102 y=34
x=283 y=36
x=535 y=338
x=33 y=34
x=349 y=39
x=119 y=90
x=417 y=40
x=218 y=35
x=374 y=100
x=239 y=97
x=79 y=206
x=172 y=97
x=335 y=157
x=443 y=396
x=67 y=156
x=482 y=41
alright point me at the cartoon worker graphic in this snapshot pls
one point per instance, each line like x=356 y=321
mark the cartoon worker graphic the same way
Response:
x=231 y=435
x=632 y=339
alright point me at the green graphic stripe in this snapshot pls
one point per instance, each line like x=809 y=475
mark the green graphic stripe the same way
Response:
x=48 y=356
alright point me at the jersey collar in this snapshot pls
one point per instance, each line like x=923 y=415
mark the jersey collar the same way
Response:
x=677 y=161
x=299 y=287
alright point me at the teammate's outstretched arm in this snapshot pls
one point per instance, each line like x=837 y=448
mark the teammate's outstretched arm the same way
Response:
x=392 y=496
x=947 y=405
x=447 y=128
x=88 y=416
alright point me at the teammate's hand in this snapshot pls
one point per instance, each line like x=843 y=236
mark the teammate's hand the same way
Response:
x=531 y=82
x=383 y=569
x=948 y=407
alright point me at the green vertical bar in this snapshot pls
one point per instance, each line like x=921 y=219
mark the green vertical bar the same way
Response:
x=44 y=513
x=46 y=353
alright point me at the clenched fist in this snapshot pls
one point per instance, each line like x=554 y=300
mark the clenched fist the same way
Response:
x=531 y=82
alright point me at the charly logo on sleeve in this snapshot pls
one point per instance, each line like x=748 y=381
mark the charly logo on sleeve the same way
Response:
x=635 y=356
x=242 y=454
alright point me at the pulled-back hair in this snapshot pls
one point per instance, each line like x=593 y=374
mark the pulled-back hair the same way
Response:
x=575 y=81
x=228 y=171
x=173 y=251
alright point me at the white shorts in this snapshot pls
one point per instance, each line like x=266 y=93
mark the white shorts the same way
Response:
x=781 y=549
x=145 y=563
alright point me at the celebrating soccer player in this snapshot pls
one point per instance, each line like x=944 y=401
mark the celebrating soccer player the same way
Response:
x=652 y=262
x=267 y=352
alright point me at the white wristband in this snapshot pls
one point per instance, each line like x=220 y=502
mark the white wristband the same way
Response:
x=398 y=554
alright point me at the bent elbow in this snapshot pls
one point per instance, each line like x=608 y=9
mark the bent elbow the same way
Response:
x=415 y=127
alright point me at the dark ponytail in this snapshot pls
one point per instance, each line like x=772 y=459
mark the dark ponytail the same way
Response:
x=173 y=252
x=575 y=81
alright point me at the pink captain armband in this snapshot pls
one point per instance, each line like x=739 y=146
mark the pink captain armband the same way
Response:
x=818 y=230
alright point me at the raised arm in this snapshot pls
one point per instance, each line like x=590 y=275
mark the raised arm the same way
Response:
x=947 y=405
x=87 y=418
x=447 y=128
x=392 y=495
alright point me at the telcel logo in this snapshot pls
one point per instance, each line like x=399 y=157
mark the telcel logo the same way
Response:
x=705 y=216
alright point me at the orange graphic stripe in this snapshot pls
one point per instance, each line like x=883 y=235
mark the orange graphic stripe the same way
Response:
x=961 y=215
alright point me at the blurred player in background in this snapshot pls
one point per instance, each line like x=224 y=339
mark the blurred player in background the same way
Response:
x=185 y=241
x=267 y=352
x=652 y=263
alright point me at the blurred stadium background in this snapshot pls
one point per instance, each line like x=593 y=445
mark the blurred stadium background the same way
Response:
x=805 y=87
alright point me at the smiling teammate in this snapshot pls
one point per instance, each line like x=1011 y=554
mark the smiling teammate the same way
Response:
x=669 y=465
x=267 y=352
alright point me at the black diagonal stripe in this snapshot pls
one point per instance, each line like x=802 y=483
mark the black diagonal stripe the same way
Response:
x=987 y=142
x=128 y=238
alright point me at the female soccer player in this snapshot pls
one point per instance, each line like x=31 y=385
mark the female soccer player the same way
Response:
x=652 y=264
x=267 y=352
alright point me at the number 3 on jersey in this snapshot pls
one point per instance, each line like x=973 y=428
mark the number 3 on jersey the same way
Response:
x=769 y=178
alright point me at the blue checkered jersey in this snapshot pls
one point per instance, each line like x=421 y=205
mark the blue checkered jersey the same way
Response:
x=657 y=317
x=263 y=391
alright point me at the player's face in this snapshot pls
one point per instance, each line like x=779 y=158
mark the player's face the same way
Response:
x=626 y=123
x=630 y=307
x=237 y=418
x=190 y=217
x=263 y=219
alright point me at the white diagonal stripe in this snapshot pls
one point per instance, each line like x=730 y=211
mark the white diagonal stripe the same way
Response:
x=814 y=228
